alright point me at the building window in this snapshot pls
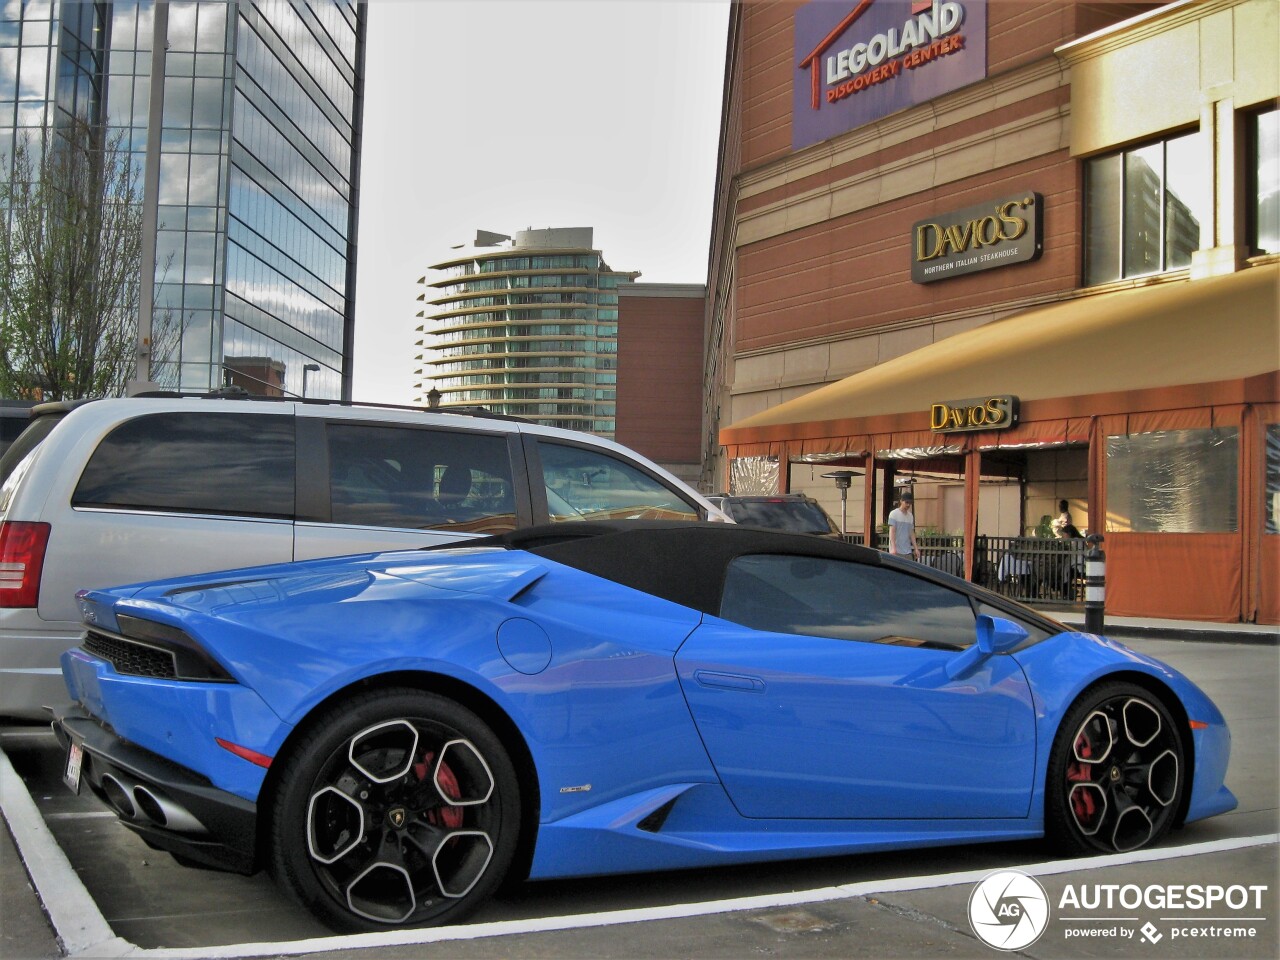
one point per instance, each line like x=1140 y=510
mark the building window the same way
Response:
x=1264 y=182
x=1173 y=481
x=1144 y=207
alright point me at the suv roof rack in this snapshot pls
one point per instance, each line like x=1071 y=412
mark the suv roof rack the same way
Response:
x=236 y=392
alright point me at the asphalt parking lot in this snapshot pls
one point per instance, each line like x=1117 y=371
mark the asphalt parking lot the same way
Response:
x=113 y=896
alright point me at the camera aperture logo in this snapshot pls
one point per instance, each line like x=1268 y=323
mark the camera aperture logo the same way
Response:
x=1009 y=910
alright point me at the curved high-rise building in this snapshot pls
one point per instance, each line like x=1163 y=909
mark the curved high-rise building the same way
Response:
x=525 y=326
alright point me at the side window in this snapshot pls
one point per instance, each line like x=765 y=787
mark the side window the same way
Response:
x=817 y=597
x=421 y=479
x=219 y=463
x=585 y=484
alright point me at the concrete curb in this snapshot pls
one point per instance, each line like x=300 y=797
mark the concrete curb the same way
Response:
x=1207 y=634
x=1156 y=628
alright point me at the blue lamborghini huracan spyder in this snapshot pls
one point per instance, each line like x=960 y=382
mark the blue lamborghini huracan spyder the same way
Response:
x=395 y=735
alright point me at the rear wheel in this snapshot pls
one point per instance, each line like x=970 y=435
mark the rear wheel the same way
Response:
x=397 y=809
x=1117 y=772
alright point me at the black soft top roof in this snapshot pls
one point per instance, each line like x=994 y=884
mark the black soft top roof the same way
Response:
x=680 y=561
x=686 y=562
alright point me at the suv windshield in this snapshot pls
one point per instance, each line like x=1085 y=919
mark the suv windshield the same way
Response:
x=796 y=516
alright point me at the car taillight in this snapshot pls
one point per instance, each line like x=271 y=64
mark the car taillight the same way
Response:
x=22 y=546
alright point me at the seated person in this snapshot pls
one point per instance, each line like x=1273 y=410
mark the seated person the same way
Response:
x=1062 y=524
x=454 y=489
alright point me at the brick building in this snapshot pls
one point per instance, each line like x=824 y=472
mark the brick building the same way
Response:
x=1009 y=254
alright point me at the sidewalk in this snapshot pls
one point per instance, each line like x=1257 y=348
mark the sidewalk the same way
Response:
x=1122 y=628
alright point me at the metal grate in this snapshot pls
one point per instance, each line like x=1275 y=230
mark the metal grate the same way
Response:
x=129 y=658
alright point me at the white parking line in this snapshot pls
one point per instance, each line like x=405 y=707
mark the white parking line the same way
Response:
x=681 y=911
x=84 y=932
x=76 y=919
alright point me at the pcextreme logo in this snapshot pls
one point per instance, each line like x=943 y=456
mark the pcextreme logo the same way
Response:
x=1009 y=910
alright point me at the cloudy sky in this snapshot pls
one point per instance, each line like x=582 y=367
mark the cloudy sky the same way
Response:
x=507 y=114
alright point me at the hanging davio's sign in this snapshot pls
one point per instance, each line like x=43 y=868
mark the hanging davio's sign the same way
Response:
x=982 y=237
x=980 y=413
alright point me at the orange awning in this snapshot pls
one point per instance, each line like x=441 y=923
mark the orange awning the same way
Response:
x=1174 y=333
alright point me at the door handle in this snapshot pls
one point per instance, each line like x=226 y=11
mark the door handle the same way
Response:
x=728 y=681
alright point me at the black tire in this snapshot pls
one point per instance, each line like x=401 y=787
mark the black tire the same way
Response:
x=1117 y=773
x=396 y=808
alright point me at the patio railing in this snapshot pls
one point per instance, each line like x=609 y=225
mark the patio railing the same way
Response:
x=1028 y=569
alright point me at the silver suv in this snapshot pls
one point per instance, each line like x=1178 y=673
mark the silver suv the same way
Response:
x=114 y=491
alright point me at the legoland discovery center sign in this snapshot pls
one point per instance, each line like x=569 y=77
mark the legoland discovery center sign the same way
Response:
x=859 y=60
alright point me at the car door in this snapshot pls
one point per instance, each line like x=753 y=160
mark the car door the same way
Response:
x=821 y=692
x=384 y=486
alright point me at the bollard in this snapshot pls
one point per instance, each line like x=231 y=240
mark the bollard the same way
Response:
x=1095 y=585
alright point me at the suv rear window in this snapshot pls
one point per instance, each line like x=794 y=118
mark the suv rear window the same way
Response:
x=27 y=441
x=13 y=420
x=215 y=463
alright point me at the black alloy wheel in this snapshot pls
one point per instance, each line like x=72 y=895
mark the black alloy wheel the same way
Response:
x=1117 y=773
x=398 y=808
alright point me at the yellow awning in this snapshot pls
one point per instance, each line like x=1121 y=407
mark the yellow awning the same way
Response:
x=1201 y=331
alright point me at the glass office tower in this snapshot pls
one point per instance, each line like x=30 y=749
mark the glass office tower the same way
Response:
x=526 y=327
x=244 y=122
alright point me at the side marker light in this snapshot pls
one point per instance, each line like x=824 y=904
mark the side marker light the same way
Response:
x=244 y=753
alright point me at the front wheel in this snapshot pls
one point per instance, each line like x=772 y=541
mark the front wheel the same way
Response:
x=1117 y=772
x=398 y=808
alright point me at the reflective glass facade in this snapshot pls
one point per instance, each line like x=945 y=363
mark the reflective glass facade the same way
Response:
x=256 y=134
x=1144 y=207
x=528 y=331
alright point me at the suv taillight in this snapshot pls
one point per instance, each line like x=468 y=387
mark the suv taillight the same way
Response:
x=22 y=545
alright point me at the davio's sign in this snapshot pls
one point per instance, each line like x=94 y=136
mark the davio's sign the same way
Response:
x=980 y=413
x=989 y=235
x=859 y=60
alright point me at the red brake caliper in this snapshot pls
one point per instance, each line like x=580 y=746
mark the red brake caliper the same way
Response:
x=450 y=817
x=1082 y=801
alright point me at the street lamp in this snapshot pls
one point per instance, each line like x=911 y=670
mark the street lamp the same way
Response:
x=308 y=368
x=843 y=479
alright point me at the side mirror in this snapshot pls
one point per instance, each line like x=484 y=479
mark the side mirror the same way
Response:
x=998 y=635
x=995 y=635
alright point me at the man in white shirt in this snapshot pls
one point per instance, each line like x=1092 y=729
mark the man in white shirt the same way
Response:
x=902 y=530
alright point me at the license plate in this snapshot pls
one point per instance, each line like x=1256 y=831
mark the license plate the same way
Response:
x=71 y=772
